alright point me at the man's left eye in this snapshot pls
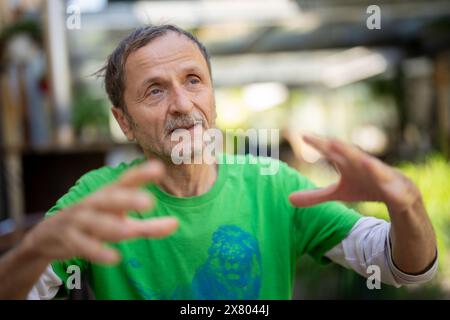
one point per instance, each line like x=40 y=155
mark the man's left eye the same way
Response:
x=194 y=80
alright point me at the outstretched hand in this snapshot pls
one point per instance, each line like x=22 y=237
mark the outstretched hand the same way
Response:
x=83 y=229
x=362 y=178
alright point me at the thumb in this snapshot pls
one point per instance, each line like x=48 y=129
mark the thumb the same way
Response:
x=312 y=197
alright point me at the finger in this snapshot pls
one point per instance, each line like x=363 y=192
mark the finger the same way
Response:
x=151 y=228
x=312 y=197
x=105 y=227
x=325 y=147
x=320 y=144
x=338 y=161
x=151 y=171
x=92 y=249
x=102 y=226
x=349 y=152
x=120 y=199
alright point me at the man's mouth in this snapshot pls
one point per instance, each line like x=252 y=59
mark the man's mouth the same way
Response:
x=186 y=127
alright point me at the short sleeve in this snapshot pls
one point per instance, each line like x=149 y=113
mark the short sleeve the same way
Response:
x=319 y=228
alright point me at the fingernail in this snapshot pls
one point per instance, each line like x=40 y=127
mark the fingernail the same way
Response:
x=167 y=219
x=110 y=256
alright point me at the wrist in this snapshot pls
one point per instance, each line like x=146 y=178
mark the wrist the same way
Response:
x=408 y=200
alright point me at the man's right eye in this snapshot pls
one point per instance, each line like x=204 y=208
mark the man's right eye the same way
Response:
x=155 y=91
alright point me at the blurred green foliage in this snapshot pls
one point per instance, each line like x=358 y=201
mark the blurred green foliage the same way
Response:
x=90 y=116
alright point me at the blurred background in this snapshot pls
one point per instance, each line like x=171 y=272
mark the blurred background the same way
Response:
x=329 y=67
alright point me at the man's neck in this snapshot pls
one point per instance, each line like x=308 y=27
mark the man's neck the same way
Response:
x=188 y=180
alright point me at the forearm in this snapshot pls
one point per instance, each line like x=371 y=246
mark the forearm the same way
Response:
x=412 y=237
x=20 y=269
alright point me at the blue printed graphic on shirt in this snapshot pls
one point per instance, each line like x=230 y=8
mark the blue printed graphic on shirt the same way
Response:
x=232 y=270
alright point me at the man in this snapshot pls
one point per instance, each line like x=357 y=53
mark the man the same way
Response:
x=238 y=233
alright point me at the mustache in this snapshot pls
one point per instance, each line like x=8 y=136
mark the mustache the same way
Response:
x=183 y=121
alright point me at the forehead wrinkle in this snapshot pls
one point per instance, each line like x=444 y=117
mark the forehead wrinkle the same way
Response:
x=182 y=64
x=165 y=50
x=149 y=60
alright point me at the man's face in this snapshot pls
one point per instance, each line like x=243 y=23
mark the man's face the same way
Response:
x=168 y=86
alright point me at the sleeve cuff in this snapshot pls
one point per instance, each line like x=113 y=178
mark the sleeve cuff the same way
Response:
x=403 y=278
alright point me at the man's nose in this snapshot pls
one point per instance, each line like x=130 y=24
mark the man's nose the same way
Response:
x=181 y=101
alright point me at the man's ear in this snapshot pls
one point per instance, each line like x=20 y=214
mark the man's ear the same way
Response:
x=124 y=123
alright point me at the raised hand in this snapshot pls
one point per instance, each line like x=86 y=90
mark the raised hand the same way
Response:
x=362 y=178
x=82 y=229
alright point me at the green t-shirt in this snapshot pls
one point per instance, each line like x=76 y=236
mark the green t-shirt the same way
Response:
x=239 y=240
